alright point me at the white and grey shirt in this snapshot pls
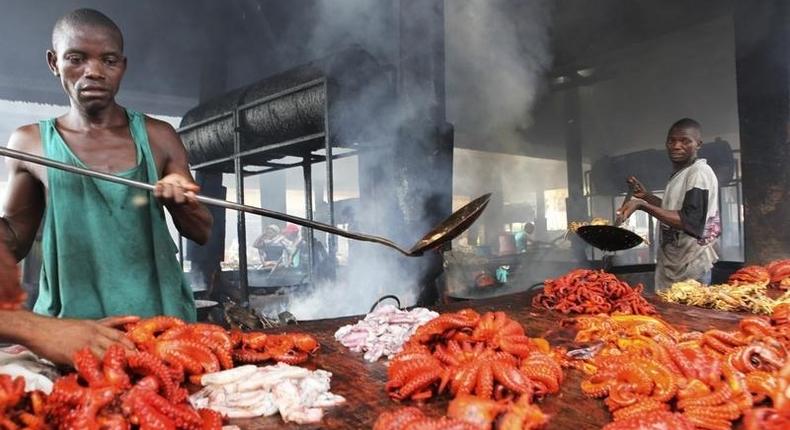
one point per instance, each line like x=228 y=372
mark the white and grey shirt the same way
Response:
x=688 y=253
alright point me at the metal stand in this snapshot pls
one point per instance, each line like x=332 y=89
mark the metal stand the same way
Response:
x=272 y=152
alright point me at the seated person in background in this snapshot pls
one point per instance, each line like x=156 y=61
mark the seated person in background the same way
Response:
x=525 y=237
x=291 y=241
x=322 y=265
x=269 y=245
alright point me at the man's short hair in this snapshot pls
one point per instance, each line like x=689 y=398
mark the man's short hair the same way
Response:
x=686 y=123
x=85 y=18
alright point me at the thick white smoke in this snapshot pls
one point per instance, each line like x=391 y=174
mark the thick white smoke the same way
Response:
x=496 y=53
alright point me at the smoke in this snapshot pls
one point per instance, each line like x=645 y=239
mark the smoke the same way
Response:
x=373 y=271
x=372 y=274
x=497 y=54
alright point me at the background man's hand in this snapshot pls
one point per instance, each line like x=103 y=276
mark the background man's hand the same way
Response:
x=628 y=208
x=58 y=339
x=11 y=293
x=176 y=189
x=637 y=188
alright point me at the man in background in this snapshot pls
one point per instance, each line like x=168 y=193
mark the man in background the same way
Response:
x=525 y=237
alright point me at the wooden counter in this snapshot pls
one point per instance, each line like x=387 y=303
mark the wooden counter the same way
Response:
x=362 y=383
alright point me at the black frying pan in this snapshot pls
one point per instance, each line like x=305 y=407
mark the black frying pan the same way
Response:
x=608 y=237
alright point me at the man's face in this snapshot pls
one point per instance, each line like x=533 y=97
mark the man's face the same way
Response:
x=683 y=144
x=90 y=64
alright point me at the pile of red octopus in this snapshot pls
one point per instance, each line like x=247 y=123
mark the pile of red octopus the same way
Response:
x=586 y=291
x=196 y=349
x=144 y=389
x=776 y=274
x=118 y=392
x=490 y=367
x=654 y=376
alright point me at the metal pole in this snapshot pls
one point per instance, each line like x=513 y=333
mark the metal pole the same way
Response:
x=181 y=251
x=738 y=209
x=651 y=236
x=307 y=170
x=331 y=244
x=218 y=202
x=241 y=225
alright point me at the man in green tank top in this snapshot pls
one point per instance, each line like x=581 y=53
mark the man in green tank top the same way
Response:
x=106 y=248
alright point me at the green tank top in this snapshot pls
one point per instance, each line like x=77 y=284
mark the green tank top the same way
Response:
x=106 y=247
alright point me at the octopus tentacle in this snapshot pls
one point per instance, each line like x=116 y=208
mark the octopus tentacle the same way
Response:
x=146 y=364
x=513 y=379
x=418 y=383
x=641 y=408
x=146 y=330
x=484 y=386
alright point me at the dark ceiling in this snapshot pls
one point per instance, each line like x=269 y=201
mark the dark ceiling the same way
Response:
x=583 y=31
x=183 y=50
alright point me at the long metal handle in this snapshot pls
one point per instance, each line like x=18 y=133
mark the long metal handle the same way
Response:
x=24 y=156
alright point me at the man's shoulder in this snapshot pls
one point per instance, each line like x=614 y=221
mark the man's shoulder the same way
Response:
x=25 y=138
x=701 y=165
x=701 y=168
x=160 y=133
x=157 y=125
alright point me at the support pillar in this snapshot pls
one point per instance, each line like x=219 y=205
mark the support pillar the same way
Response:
x=576 y=204
x=762 y=54
x=273 y=195
x=423 y=165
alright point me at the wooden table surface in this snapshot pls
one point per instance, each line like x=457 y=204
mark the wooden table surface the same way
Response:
x=362 y=383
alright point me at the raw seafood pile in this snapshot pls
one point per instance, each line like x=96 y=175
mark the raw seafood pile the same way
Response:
x=464 y=352
x=195 y=349
x=776 y=417
x=757 y=275
x=256 y=347
x=412 y=418
x=775 y=273
x=298 y=394
x=487 y=363
x=383 y=331
x=19 y=409
x=742 y=297
x=122 y=391
x=647 y=369
x=780 y=273
x=591 y=292
x=467 y=412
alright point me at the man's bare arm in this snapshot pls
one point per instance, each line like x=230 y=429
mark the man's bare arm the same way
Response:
x=24 y=203
x=668 y=217
x=58 y=339
x=641 y=192
x=176 y=189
